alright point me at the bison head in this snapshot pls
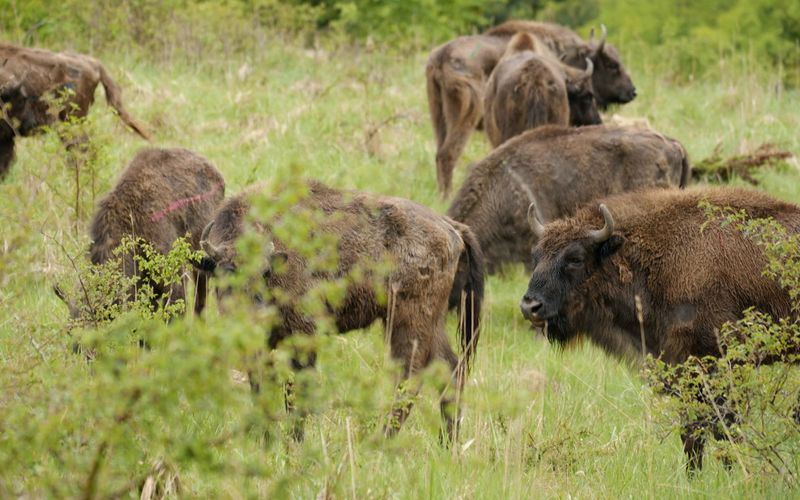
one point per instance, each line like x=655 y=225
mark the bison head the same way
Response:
x=565 y=258
x=580 y=92
x=219 y=247
x=612 y=84
x=22 y=110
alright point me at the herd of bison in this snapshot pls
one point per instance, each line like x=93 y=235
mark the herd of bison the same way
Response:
x=601 y=215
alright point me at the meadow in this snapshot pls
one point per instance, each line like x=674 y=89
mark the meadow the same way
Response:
x=537 y=422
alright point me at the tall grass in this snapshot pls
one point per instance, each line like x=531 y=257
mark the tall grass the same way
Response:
x=538 y=422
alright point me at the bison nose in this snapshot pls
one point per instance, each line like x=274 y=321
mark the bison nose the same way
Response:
x=529 y=306
x=633 y=94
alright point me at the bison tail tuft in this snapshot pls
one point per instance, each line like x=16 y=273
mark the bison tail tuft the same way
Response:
x=467 y=293
x=114 y=99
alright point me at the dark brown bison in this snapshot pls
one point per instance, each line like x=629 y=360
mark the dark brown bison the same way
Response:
x=588 y=271
x=456 y=76
x=162 y=195
x=562 y=168
x=529 y=87
x=435 y=264
x=29 y=77
x=611 y=82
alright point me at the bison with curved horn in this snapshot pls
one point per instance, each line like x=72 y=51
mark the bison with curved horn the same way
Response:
x=657 y=248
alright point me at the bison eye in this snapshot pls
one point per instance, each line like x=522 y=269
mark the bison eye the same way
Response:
x=574 y=262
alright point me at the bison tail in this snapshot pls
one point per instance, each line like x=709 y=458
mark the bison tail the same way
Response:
x=686 y=169
x=114 y=99
x=467 y=293
x=435 y=102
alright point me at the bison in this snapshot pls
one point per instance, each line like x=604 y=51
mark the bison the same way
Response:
x=435 y=264
x=162 y=195
x=561 y=168
x=611 y=82
x=456 y=75
x=650 y=247
x=529 y=87
x=28 y=77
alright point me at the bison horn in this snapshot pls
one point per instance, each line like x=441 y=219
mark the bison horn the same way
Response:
x=589 y=68
x=533 y=220
x=602 y=41
x=206 y=245
x=601 y=235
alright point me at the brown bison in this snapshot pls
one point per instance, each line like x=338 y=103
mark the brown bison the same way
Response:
x=611 y=82
x=162 y=195
x=562 y=168
x=29 y=77
x=529 y=87
x=650 y=246
x=456 y=76
x=435 y=264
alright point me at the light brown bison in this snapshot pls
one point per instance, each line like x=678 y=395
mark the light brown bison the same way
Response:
x=29 y=77
x=435 y=264
x=162 y=195
x=588 y=271
x=456 y=76
x=610 y=80
x=562 y=168
x=529 y=87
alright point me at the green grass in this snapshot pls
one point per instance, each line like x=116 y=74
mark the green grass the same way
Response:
x=538 y=422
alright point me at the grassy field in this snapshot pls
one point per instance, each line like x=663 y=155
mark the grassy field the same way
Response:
x=537 y=422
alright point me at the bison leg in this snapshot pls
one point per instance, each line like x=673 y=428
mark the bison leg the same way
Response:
x=693 y=445
x=200 y=291
x=450 y=400
x=297 y=416
x=410 y=343
x=6 y=155
x=462 y=112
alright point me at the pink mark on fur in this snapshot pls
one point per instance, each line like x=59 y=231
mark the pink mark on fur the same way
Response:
x=178 y=204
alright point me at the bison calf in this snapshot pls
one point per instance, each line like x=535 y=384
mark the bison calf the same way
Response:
x=162 y=195
x=29 y=77
x=562 y=168
x=651 y=246
x=435 y=264
x=529 y=87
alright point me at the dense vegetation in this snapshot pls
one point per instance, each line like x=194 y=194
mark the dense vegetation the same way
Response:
x=274 y=91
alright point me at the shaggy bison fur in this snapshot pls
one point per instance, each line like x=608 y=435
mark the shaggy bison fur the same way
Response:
x=435 y=264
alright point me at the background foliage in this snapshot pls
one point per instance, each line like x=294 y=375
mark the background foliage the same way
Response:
x=273 y=90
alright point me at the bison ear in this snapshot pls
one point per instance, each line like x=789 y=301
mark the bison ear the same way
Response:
x=610 y=246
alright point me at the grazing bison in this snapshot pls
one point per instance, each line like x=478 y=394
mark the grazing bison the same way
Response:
x=589 y=270
x=562 y=168
x=28 y=77
x=435 y=265
x=162 y=195
x=529 y=87
x=611 y=82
